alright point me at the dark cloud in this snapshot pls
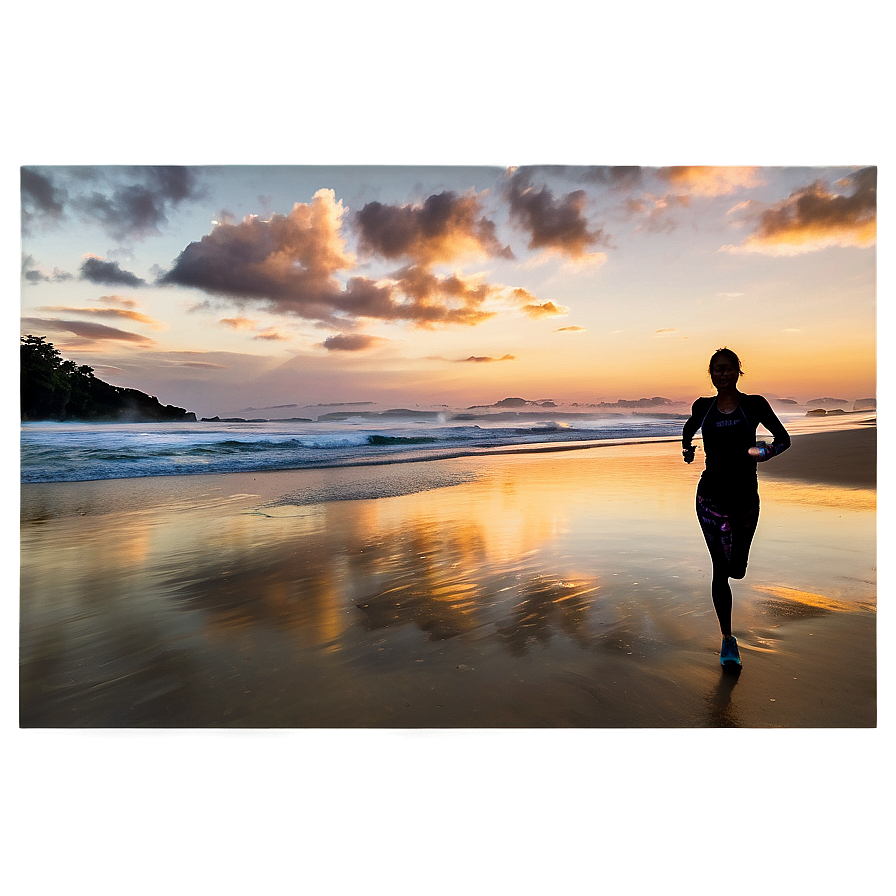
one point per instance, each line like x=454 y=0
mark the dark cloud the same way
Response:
x=32 y=274
x=442 y=228
x=815 y=216
x=557 y=224
x=289 y=264
x=350 y=342
x=96 y=270
x=85 y=329
x=479 y=359
x=140 y=208
x=128 y=202
x=289 y=261
x=43 y=202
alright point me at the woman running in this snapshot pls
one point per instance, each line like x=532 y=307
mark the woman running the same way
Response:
x=728 y=491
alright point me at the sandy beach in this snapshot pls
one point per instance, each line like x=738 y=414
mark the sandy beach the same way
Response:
x=565 y=589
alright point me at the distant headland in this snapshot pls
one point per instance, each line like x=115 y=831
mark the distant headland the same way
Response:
x=53 y=389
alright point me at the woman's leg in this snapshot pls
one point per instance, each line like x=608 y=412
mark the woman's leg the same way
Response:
x=716 y=529
x=721 y=593
x=743 y=528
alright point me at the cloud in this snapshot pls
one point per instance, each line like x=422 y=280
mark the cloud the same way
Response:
x=239 y=323
x=289 y=264
x=43 y=202
x=201 y=364
x=128 y=202
x=351 y=342
x=709 y=181
x=445 y=227
x=288 y=261
x=118 y=300
x=85 y=329
x=666 y=332
x=96 y=270
x=474 y=359
x=531 y=305
x=116 y=313
x=816 y=217
x=571 y=330
x=657 y=211
x=32 y=275
x=556 y=225
x=271 y=335
x=545 y=309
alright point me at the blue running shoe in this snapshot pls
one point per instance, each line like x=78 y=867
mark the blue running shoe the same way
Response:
x=729 y=655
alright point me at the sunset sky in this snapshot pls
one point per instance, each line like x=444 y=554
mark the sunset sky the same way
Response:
x=225 y=288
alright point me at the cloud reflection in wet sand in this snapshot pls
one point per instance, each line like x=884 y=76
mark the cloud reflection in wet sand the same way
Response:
x=330 y=613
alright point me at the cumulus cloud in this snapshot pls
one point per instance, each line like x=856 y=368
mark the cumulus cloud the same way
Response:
x=554 y=224
x=85 y=329
x=709 y=181
x=818 y=216
x=289 y=264
x=115 y=313
x=351 y=342
x=479 y=359
x=97 y=270
x=444 y=227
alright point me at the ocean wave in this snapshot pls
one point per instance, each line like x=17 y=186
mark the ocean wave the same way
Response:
x=60 y=453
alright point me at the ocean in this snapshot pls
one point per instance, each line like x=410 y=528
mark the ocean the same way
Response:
x=72 y=452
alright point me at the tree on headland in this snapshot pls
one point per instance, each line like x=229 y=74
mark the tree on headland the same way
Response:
x=55 y=389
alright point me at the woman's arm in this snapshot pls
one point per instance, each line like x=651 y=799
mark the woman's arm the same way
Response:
x=770 y=421
x=691 y=425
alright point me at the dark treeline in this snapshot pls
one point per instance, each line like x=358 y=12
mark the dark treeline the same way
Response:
x=55 y=389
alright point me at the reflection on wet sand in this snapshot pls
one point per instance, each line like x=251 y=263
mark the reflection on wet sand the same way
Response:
x=233 y=610
x=547 y=606
x=721 y=710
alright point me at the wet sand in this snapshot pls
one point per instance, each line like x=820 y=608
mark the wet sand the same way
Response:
x=558 y=590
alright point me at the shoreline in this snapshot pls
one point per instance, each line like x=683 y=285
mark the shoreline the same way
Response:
x=852 y=460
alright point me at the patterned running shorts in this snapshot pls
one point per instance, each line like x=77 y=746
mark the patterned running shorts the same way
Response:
x=729 y=532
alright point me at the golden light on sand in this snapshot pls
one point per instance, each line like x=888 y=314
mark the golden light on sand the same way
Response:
x=808 y=599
